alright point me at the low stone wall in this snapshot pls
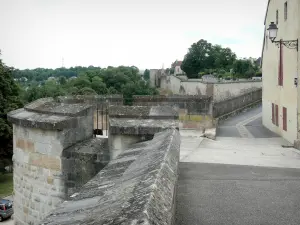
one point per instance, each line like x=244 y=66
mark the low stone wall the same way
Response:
x=194 y=104
x=230 y=105
x=100 y=103
x=138 y=187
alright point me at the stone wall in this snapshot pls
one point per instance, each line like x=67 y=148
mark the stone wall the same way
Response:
x=83 y=161
x=223 y=91
x=230 y=105
x=41 y=131
x=138 y=187
x=217 y=90
x=192 y=104
x=100 y=104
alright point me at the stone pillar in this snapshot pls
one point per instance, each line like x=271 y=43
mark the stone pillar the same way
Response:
x=41 y=131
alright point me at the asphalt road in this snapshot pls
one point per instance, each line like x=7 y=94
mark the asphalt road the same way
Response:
x=228 y=128
x=244 y=177
x=217 y=194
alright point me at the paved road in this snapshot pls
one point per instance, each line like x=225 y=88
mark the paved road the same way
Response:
x=233 y=127
x=244 y=177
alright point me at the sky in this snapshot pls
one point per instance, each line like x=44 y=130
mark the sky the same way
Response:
x=145 y=33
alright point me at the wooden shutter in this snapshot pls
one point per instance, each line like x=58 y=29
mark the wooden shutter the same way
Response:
x=273 y=111
x=280 y=66
x=284 y=119
x=276 y=115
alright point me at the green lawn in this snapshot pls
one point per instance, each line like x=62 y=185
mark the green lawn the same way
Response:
x=6 y=184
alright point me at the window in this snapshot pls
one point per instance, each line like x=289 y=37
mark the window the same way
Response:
x=1 y=207
x=277 y=17
x=285 y=11
x=280 y=66
x=284 y=122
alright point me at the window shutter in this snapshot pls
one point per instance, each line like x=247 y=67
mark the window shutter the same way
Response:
x=284 y=119
x=276 y=115
x=273 y=117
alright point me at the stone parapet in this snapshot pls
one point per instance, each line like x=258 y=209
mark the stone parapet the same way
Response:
x=125 y=126
x=195 y=104
x=138 y=187
x=143 y=112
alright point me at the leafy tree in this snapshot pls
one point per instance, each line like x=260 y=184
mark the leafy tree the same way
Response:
x=9 y=98
x=86 y=91
x=147 y=74
x=98 y=85
x=62 y=80
x=243 y=68
x=203 y=55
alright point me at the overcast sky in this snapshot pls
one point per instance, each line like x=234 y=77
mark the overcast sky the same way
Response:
x=144 y=33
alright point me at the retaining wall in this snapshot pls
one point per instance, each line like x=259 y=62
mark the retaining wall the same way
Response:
x=230 y=105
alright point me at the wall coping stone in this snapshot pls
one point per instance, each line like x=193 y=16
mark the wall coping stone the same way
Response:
x=49 y=106
x=138 y=187
x=90 y=98
x=48 y=114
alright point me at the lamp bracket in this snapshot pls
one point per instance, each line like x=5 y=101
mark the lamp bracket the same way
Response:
x=291 y=44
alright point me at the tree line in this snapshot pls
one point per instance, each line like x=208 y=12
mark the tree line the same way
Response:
x=18 y=87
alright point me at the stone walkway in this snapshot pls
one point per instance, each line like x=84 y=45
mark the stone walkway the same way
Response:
x=244 y=177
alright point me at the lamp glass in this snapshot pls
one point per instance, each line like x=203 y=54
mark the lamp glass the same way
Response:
x=272 y=31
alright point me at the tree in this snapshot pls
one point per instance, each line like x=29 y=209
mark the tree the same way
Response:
x=203 y=55
x=98 y=85
x=86 y=91
x=9 y=98
x=147 y=74
x=243 y=68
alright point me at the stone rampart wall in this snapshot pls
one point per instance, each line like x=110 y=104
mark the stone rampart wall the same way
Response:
x=138 y=187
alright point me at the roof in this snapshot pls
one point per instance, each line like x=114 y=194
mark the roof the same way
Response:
x=177 y=63
x=4 y=201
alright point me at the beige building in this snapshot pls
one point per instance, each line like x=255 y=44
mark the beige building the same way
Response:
x=177 y=68
x=280 y=68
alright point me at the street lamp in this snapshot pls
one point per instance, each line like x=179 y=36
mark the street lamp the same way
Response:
x=292 y=44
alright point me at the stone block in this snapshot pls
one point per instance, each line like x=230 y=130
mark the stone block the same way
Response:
x=25 y=145
x=50 y=180
x=45 y=161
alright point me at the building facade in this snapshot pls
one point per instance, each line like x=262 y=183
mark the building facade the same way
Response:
x=177 y=68
x=280 y=67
